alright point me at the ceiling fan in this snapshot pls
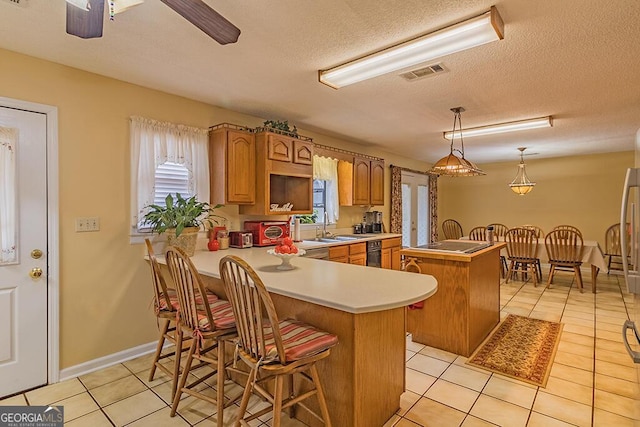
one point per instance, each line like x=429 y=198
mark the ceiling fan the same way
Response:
x=85 y=17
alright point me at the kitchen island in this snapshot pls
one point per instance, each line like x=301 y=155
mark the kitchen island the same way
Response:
x=467 y=305
x=364 y=306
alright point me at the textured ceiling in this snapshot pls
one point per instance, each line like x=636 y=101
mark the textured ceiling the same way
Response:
x=577 y=60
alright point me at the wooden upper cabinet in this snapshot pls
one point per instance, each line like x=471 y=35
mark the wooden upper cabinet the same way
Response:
x=284 y=183
x=279 y=148
x=361 y=181
x=232 y=165
x=377 y=182
x=302 y=152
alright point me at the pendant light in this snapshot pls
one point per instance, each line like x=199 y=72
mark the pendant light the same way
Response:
x=452 y=165
x=521 y=184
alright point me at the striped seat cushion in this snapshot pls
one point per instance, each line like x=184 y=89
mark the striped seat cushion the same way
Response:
x=299 y=339
x=175 y=302
x=222 y=313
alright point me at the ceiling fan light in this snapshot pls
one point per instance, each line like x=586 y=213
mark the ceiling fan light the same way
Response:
x=467 y=34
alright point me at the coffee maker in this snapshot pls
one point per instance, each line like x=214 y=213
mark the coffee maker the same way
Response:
x=373 y=222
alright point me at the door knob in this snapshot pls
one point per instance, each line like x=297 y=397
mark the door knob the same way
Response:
x=35 y=272
x=36 y=254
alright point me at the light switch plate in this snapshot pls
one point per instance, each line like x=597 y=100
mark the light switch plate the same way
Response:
x=88 y=224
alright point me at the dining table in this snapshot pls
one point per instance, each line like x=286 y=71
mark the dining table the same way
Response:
x=591 y=255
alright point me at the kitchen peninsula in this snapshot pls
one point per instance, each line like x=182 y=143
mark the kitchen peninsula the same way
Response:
x=364 y=306
x=467 y=305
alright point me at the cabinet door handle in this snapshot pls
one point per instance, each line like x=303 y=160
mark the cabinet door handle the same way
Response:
x=631 y=325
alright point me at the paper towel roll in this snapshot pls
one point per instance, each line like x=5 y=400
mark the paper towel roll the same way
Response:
x=296 y=230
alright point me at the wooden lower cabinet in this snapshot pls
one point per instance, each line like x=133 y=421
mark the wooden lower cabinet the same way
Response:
x=355 y=253
x=390 y=255
x=466 y=307
x=339 y=254
x=358 y=253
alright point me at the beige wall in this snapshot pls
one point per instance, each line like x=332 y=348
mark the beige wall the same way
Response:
x=585 y=191
x=105 y=293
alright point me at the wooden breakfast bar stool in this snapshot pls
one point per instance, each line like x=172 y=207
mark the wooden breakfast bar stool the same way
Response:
x=209 y=325
x=274 y=349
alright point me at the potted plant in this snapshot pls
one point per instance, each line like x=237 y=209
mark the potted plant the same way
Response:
x=181 y=219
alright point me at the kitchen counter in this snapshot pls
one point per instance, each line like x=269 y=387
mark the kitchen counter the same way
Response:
x=467 y=305
x=364 y=376
x=346 y=287
x=311 y=244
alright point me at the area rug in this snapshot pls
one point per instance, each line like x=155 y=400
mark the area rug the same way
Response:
x=521 y=348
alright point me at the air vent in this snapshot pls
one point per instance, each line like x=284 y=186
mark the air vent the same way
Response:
x=423 y=72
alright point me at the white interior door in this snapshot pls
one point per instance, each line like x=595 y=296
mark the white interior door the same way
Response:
x=415 y=209
x=23 y=246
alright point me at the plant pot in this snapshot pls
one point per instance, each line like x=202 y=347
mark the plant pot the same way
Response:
x=185 y=241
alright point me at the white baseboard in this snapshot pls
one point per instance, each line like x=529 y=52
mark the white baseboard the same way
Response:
x=106 y=361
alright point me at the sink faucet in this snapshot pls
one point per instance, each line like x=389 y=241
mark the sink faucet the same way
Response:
x=326 y=233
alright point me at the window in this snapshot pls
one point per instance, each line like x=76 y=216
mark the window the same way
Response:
x=325 y=189
x=319 y=199
x=166 y=157
x=171 y=178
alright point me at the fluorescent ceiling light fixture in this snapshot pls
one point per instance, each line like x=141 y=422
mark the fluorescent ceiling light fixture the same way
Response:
x=540 y=122
x=473 y=32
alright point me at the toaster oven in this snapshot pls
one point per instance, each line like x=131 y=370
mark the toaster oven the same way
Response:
x=240 y=239
x=267 y=233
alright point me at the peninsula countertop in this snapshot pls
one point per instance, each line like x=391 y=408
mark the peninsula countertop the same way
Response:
x=346 y=287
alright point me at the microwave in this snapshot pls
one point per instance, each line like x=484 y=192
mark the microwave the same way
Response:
x=267 y=233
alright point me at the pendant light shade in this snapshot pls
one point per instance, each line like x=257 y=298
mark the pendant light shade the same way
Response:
x=521 y=184
x=453 y=165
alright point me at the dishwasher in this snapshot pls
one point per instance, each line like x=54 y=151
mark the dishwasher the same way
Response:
x=374 y=253
x=317 y=253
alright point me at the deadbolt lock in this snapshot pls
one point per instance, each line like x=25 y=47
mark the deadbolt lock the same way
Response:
x=36 y=254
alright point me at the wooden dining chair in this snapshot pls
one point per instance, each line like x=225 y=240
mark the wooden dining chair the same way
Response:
x=567 y=227
x=499 y=231
x=209 y=325
x=478 y=233
x=613 y=250
x=537 y=230
x=522 y=252
x=564 y=250
x=451 y=229
x=274 y=349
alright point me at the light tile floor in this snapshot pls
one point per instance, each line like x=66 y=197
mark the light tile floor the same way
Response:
x=593 y=381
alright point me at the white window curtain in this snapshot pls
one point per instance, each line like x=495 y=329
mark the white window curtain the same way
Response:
x=154 y=143
x=326 y=168
x=8 y=138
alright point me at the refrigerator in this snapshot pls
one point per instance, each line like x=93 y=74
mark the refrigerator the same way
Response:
x=630 y=257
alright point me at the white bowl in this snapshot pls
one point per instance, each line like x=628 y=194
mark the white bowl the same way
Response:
x=285 y=258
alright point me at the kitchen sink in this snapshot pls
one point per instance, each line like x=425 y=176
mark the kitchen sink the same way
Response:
x=324 y=240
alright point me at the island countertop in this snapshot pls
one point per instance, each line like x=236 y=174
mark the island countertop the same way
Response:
x=346 y=287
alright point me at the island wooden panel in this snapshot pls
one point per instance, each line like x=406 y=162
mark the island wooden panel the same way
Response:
x=466 y=307
x=363 y=377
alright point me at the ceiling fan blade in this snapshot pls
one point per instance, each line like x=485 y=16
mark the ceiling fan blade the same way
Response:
x=86 y=24
x=208 y=20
